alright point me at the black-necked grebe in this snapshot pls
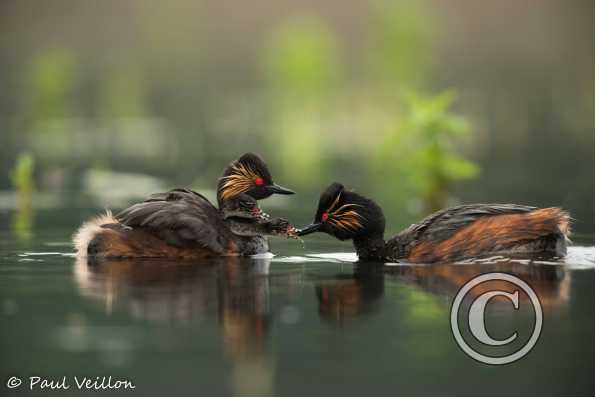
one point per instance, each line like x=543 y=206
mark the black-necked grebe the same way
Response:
x=455 y=233
x=183 y=223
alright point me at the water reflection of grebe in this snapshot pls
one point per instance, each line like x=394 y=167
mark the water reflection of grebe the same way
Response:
x=162 y=290
x=359 y=294
x=551 y=283
x=351 y=296
x=235 y=290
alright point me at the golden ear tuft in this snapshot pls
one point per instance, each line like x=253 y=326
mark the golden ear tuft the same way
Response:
x=334 y=204
x=239 y=181
x=347 y=218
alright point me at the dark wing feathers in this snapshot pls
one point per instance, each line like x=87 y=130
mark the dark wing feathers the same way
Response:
x=443 y=224
x=181 y=217
x=177 y=194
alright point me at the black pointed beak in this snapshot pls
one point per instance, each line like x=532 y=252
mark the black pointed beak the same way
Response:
x=276 y=189
x=309 y=229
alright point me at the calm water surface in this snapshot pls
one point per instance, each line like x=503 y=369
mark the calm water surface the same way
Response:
x=307 y=321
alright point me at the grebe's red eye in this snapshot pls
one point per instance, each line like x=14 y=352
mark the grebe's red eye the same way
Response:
x=259 y=181
x=324 y=216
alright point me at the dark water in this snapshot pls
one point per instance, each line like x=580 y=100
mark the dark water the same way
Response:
x=297 y=324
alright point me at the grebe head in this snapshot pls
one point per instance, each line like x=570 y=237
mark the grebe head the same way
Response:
x=249 y=174
x=346 y=215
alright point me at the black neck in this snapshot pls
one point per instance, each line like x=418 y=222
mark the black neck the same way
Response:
x=370 y=248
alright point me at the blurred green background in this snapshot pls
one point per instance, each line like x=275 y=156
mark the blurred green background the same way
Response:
x=418 y=104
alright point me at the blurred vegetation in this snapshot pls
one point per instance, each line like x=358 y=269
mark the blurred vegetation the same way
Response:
x=303 y=70
x=22 y=179
x=50 y=86
x=22 y=176
x=361 y=93
x=421 y=311
x=419 y=151
x=398 y=49
x=412 y=153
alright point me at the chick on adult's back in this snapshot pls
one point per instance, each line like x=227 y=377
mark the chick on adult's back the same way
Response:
x=183 y=223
